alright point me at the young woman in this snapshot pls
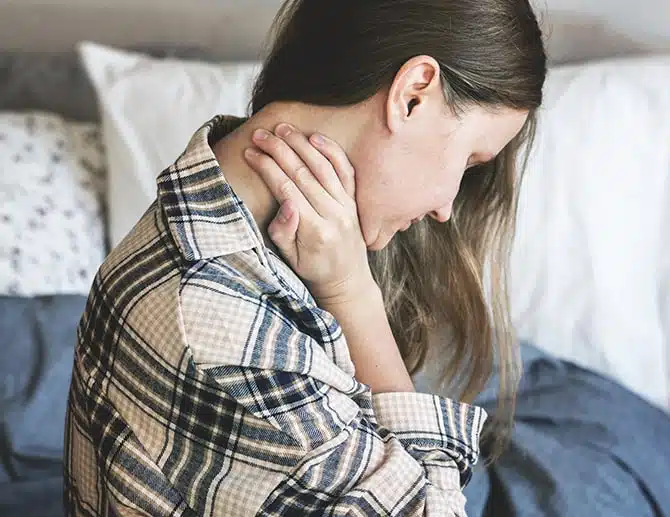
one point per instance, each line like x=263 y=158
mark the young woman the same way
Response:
x=248 y=348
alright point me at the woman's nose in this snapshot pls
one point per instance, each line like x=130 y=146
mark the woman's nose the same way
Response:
x=442 y=214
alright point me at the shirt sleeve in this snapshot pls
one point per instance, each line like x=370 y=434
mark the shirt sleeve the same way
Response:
x=244 y=442
x=397 y=454
x=434 y=430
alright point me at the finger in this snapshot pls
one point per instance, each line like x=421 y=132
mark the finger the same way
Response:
x=339 y=160
x=289 y=162
x=280 y=184
x=315 y=161
x=283 y=231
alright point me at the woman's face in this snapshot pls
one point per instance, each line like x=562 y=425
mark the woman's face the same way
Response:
x=415 y=168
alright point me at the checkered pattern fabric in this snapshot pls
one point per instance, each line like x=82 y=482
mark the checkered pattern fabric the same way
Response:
x=208 y=382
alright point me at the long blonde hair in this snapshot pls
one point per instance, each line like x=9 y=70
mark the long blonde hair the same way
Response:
x=434 y=279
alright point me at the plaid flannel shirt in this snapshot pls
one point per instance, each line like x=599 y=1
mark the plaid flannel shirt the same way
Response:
x=207 y=381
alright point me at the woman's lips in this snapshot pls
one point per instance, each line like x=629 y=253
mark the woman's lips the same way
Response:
x=410 y=223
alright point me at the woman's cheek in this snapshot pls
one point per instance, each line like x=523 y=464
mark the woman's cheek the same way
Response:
x=453 y=183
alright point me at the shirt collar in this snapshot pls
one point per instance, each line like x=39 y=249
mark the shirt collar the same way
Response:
x=204 y=216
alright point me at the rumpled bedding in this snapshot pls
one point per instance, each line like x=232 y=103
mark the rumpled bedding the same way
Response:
x=582 y=446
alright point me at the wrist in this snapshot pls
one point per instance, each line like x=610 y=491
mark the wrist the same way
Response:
x=355 y=290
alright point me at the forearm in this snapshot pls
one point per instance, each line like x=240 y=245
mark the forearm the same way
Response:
x=372 y=347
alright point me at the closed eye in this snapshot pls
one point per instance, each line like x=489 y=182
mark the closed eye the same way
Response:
x=477 y=162
x=476 y=167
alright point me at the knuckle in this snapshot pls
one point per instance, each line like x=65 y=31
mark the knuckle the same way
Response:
x=324 y=237
x=263 y=161
x=345 y=223
x=344 y=171
x=300 y=173
x=328 y=168
x=348 y=171
x=286 y=189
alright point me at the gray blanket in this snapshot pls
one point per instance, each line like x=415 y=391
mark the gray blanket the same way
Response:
x=583 y=446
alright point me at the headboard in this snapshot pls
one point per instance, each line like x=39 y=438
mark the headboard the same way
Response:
x=235 y=29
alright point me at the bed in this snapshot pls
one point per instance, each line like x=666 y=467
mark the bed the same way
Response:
x=591 y=263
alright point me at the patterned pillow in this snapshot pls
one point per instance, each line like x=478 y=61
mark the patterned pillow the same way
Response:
x=51 y=212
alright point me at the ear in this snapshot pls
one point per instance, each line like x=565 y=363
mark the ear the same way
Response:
x=417 y=81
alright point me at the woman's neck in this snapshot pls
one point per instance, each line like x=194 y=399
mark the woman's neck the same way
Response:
x=338 y=124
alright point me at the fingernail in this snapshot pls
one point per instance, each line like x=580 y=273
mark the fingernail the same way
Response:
x=317 y=139
x=283 y=130
x=261 y=134
x=251 y=153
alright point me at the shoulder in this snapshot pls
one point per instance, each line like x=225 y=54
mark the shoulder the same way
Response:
x=232 y=307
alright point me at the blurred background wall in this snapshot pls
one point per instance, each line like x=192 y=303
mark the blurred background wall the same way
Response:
x=577 y=29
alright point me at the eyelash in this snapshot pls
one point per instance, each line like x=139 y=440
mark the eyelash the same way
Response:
x=476 y=164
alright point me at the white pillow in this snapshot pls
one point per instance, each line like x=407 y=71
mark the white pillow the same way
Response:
x=665 y=287
x=586 y=269
x=150 y=109
x=51 y=211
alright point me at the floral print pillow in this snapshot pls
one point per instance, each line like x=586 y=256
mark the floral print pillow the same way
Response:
x=52 y=232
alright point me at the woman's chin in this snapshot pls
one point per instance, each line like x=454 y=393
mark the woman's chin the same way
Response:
x=380 y=242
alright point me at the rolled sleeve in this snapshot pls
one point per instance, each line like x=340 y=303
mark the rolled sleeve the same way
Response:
x=435 y=430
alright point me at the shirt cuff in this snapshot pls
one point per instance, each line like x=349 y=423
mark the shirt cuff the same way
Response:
x=431 y=421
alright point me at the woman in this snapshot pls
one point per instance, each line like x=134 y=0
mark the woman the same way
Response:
x=213 y=378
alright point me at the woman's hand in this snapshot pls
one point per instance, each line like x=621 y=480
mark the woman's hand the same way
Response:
x=317 y=228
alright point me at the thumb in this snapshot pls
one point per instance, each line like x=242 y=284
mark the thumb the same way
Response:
x=283 y=231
